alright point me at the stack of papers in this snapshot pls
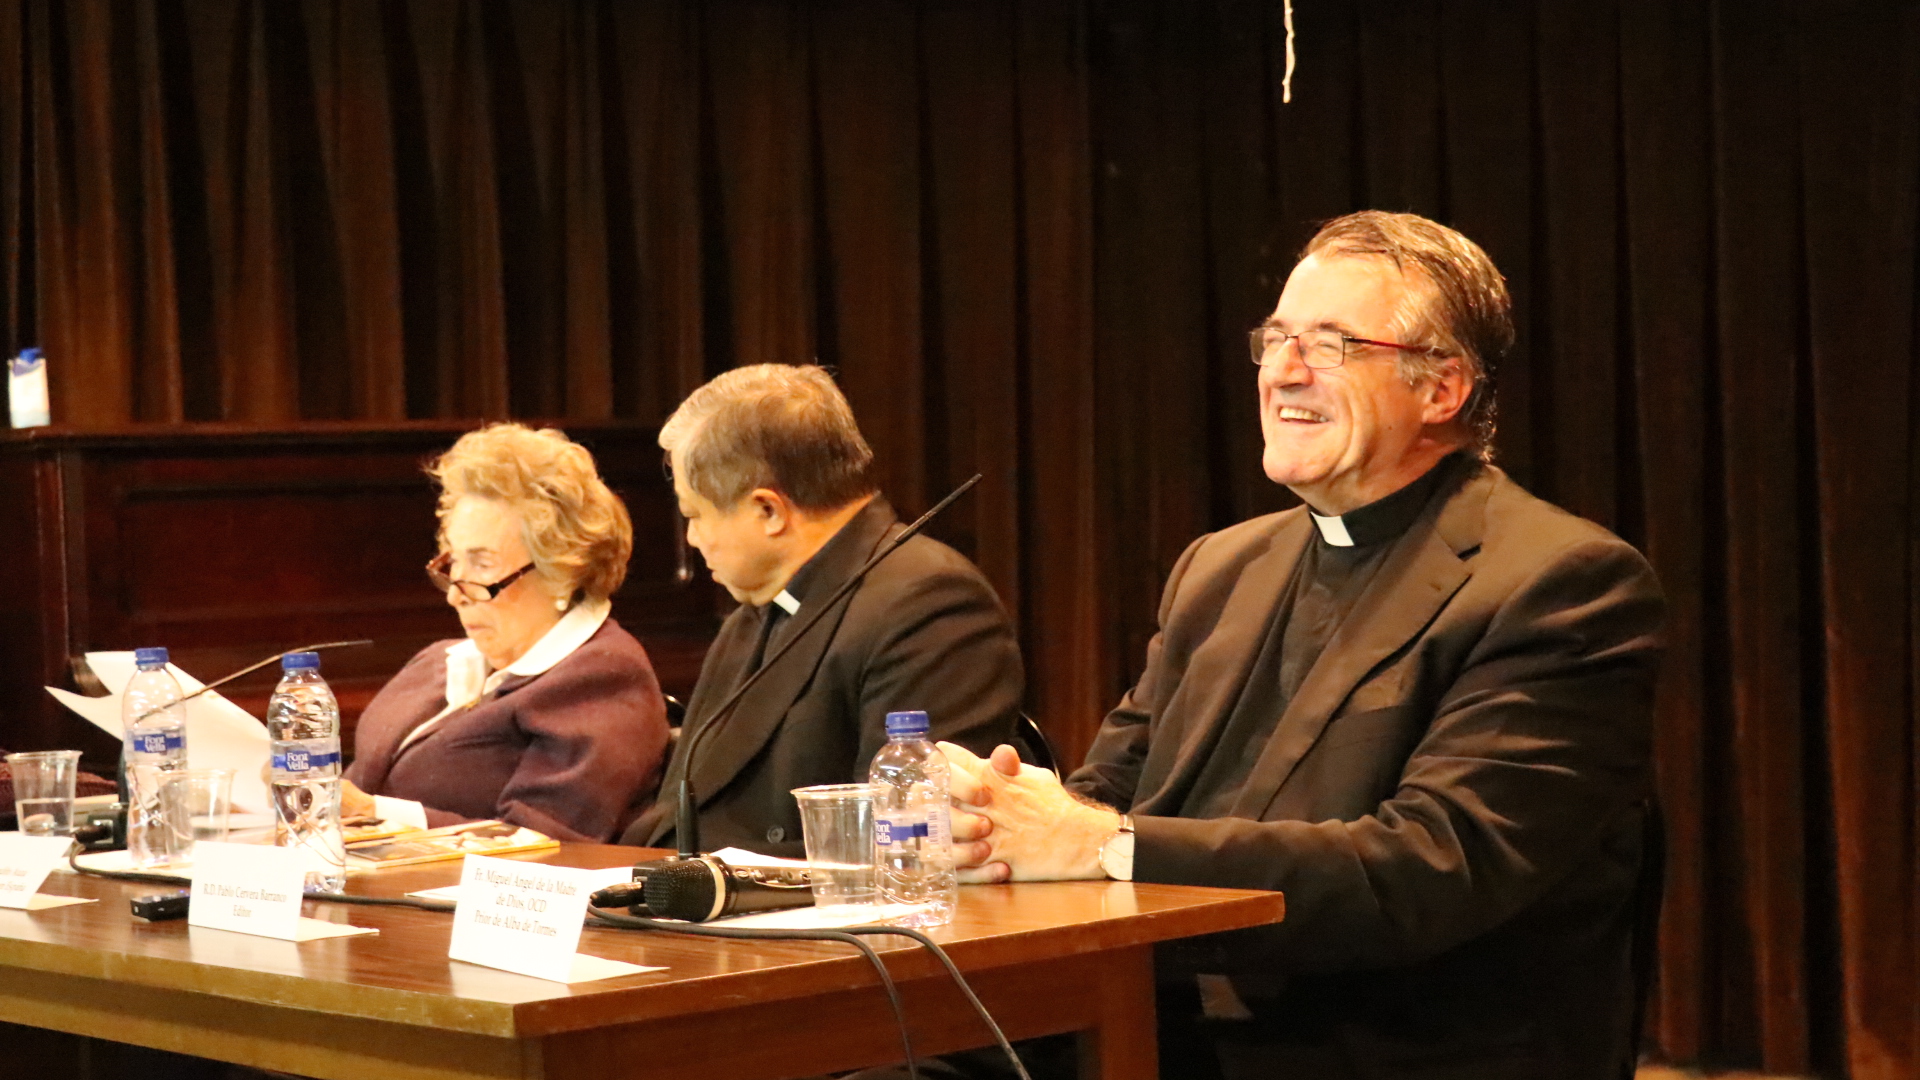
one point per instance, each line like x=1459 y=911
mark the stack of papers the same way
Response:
x=447 y=842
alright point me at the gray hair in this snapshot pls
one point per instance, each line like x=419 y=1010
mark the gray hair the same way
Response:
x=1458 y=303
x=778 y=426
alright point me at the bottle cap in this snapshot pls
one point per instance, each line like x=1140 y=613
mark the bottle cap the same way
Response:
x=150 y=657
x=300 y=661
x=907 y=723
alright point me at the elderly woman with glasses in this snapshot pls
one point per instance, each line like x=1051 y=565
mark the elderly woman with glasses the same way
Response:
x=547 y=714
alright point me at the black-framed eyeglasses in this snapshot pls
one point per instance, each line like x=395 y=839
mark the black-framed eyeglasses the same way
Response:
x=472 y=590
x=1319 y=349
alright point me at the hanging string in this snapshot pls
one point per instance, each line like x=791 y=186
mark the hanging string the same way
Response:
x=1286 y=81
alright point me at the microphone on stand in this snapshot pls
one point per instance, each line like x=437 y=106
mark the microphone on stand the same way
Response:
x=687 y=821
x=250 y=669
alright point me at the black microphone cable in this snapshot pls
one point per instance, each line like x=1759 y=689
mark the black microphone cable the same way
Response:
x=122 y=875
x=741 y=933
x=750 y=934
x=953 y=971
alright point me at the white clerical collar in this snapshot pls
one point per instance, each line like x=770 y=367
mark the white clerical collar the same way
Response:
x=787 y=603
x=1332 y=529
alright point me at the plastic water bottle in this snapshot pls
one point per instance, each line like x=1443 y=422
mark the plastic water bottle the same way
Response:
x=913 y=841
x=303 y=722
x=156 y=744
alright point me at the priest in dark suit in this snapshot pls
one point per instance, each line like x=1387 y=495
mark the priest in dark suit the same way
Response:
x=776 y=484
x=1419 y=705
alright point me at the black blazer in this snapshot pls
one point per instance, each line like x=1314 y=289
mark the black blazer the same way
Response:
x=1451 y=802
x=923 y=631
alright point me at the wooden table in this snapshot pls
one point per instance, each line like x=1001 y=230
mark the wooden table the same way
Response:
x=1045 y=958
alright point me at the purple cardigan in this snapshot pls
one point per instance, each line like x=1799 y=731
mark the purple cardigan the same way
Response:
x=574 y=752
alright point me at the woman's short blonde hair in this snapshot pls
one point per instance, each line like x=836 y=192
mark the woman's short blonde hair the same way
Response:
x=575 y=528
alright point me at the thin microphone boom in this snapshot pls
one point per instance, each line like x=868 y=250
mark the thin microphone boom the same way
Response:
x=250 y=669
x=687 y=821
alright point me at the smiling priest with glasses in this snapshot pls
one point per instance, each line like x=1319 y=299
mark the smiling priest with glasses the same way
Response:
x=1420 y=706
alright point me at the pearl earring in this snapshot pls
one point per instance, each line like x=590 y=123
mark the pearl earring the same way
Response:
x=559 y=603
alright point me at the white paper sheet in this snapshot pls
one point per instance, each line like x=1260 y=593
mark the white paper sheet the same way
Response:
x=25 y=862
x=590 y=968
x=306 y=929
x=314 y=929
x=46 y=901
x=612 y=875
x=812 y=918
x=526 y=918
x=220 y=734
x=734 y=856
x=245 y=887
x=493 y=984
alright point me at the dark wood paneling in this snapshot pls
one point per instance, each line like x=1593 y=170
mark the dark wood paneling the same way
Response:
x=229 y=543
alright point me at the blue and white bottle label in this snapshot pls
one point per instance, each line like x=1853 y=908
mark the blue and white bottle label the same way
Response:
x=899 y=830
x=299 y=759
x=158 y=742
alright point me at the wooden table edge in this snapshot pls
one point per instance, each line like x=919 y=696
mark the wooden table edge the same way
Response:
x=647 y=997
x=908 y=961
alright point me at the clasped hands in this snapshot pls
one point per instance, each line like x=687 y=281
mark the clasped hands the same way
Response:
x=1014 y=822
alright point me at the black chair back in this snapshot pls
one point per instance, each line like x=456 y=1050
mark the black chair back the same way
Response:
x=1648 y=895
x=1033 y=745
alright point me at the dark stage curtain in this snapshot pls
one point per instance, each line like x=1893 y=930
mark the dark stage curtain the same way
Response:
x=1030 y=237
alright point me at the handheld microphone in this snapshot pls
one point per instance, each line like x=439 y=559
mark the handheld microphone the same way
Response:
x=686 y=820
x=704 y=887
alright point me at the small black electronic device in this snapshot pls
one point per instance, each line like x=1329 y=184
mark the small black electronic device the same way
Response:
x=704 y=888
x=157 y=907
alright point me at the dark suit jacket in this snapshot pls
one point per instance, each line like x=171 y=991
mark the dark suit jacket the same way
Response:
x=1451 y=802
x=574 y=752
x=923 y=631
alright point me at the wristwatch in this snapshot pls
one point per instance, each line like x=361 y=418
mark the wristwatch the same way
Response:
x=1116 y=855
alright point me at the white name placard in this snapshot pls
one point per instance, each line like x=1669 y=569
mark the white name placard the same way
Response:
x=526 y=918
x=25 y=862
x=247 y=887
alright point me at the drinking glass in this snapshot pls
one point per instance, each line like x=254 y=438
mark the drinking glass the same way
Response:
x=837 y=820
x=43 y=790
x=195 y=804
